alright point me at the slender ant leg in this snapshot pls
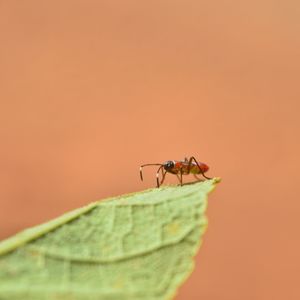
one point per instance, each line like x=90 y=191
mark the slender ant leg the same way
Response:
x=162 y=172
x=181 y=177
x=163 y=177
x=192 y=158
x=199 y=179
x=157 y=176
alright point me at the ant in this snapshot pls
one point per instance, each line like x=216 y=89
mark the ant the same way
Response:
x=179 y=168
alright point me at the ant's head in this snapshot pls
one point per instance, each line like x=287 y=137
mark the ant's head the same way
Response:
x=169 y=165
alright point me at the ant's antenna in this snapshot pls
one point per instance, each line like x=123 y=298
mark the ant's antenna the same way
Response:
x=141 y=172
x=157 y=176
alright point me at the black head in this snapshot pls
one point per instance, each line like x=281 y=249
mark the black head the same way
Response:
x=169 y=165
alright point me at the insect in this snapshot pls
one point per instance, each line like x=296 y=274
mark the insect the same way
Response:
x=179 y=168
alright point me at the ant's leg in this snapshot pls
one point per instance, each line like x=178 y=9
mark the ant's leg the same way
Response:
x=163 y=177
x=189 y=165
x=192 y=158
x=141 y=173
x=198 y=179
x=181 y=177
x=157 y=176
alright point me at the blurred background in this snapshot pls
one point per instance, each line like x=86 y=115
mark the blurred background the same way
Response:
x=90 y=90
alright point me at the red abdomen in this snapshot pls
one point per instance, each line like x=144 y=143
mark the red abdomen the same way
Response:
x=203 y=168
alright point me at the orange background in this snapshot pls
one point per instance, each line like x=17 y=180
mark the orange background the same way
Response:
x=89 y=90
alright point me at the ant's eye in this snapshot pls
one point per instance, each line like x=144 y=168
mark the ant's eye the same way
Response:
x=169 y=164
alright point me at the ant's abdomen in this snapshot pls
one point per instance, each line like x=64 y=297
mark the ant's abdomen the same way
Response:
x=203 y=168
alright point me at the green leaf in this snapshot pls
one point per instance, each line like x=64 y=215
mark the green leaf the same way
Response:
x=137 y=246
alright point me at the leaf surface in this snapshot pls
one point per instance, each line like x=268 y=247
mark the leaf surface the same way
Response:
x=137 y=246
